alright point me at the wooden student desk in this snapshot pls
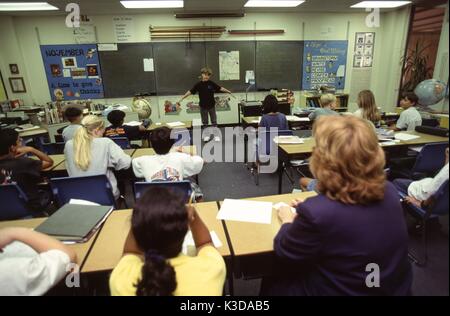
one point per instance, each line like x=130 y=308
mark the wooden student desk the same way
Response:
x=187 y=125
x=33 y=132
x=288 y=152
x=108 y=248
x=81 y=249
x=57 y=161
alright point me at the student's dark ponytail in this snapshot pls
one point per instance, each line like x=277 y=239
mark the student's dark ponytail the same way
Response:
x=159 y=225
x=158 y=277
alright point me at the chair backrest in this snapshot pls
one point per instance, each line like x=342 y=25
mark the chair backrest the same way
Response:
x=267 y=143
x=430 y=159
x=53 y=148
x=251 y=110
x=14 y=204
x=182 y=137
x=91 y=188
x=432 y=122
x=123 y=142
x=183 y=187
x=441 y=204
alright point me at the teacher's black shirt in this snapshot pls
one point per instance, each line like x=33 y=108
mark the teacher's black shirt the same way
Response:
x=206 y=91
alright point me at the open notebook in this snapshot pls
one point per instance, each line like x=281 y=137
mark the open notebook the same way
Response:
x=75 y=223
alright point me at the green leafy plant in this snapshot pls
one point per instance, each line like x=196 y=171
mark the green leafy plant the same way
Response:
x=416 y=68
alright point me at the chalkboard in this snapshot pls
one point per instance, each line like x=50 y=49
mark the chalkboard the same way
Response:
x=279 y=64
x=246 y=62
x=123 y=70
x=178 y=66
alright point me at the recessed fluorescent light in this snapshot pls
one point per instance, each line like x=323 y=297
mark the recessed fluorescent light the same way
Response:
x=380 y=4
x=152 y=4
x=26 y=6
x=273 y=3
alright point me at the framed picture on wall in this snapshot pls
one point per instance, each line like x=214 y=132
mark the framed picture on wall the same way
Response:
x=14 y=69
x=17 y=85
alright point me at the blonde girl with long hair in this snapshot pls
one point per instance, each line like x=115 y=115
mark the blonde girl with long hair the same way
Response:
x=368 y=109
x=89 y=153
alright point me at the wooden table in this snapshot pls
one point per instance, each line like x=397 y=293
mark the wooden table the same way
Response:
x=81 y=249
x=57 y=161
x=108 y=248
x=33 y=132
x=150 y=151
x=187 y=125
x=288 y=152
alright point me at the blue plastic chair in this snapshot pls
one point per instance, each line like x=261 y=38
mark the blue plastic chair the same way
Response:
x=183 y=187
x=14 y=204
x=439 y=207
x=53 y=148
x=123 y=142
x=96 y=189
x=430 y=159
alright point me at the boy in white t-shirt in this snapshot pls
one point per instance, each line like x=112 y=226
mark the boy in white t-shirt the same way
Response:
x=167 y=165
x=410 y=117
x=31 y=263
x=420 y=191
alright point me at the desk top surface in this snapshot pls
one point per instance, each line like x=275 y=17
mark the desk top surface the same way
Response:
x=81 y=249
x=187 y=124
x=253 y=238
x=108 y=248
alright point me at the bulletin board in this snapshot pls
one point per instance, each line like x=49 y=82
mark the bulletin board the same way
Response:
x=73 y=71
x=324 y=64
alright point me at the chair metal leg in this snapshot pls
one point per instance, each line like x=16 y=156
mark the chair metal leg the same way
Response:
x=421 y=258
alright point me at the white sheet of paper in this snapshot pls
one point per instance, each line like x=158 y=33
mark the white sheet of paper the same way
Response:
x=133 y=123
x=149 y=65
x=82 y=202
x=281 y=204
x=405 y=137
x=188 y=247
x=246 y=211
x=288 y=140
x=107 y=47
x=175 y=124
x=294 y=118
x=249 y=76
x=416 y=148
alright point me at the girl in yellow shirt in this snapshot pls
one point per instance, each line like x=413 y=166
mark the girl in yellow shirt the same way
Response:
x=153 y=265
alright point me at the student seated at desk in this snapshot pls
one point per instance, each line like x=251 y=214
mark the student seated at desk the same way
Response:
x=118 y=129
x=89 y=153
x=328 y=104
x=271 y=117
x=420 y=191
x=325 y=248
x=410 y=117
x=367 y=108
x=74 y=115
x=167 y=165
x=31 y=263
x=15 y=167
x=152 y=262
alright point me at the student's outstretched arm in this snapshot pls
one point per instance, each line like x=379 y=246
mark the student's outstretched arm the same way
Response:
x=39 y=242
x=188 y=93
x=200 y=232
x=47 y=162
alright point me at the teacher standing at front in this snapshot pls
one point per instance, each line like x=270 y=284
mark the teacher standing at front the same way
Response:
x=206 y=89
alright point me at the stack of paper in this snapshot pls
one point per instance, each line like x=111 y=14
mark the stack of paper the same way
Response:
x=293 y=118
x=246 y=211
x=288 y=140
x=281 y=204
x=405 y=137
x=175 y=124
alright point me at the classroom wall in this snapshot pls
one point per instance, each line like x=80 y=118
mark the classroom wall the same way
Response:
x=25 y=34
x=442 y=60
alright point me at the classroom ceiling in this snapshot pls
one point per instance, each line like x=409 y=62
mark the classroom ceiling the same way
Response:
x=107 y=7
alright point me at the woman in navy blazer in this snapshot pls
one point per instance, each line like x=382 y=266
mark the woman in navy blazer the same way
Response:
x=350 y=239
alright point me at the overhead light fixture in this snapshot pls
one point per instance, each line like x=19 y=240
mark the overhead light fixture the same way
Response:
x=153 y=4
x=208 y=15
x=380 y=4
x=26 y=6
x=273 y=3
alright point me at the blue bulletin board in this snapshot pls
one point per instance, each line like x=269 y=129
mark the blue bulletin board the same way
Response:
x=324 y=64
x=73 y=71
